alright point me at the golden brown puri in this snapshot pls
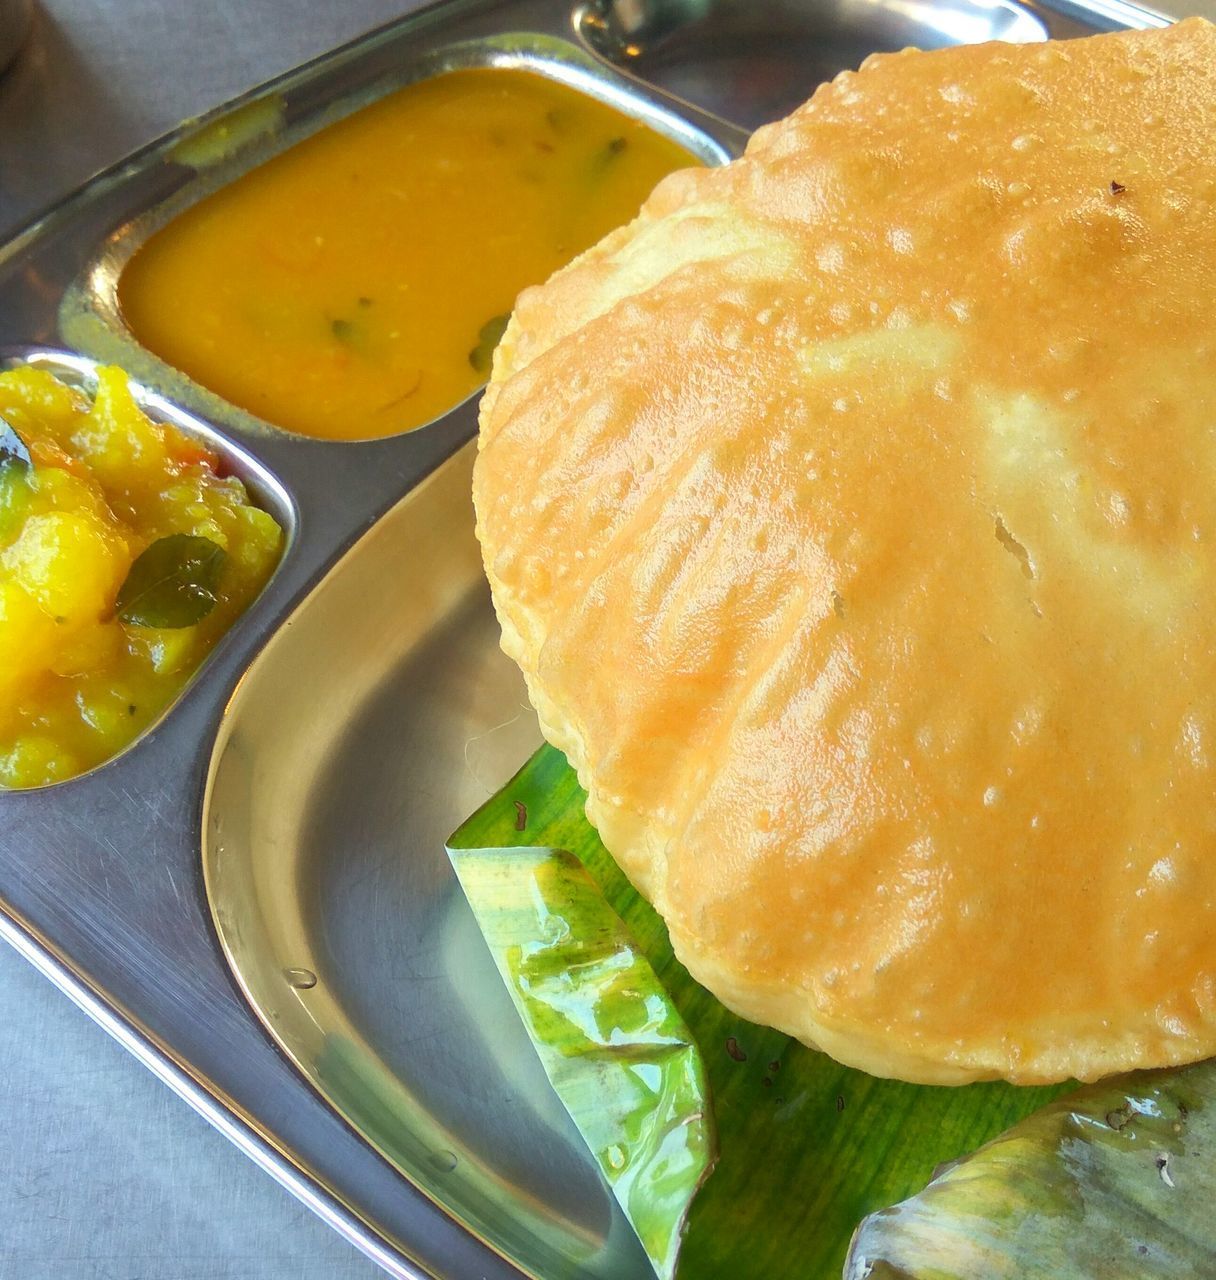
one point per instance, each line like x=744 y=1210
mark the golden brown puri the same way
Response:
x=852 y=515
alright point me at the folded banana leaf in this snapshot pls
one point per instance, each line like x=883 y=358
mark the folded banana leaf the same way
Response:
x=612 y=1044
x=807 y=1148
x=1114 y=1182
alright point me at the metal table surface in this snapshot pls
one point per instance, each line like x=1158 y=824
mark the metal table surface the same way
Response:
x=105 y=1174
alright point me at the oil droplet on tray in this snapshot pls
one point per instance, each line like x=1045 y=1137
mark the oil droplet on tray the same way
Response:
x=301 y=979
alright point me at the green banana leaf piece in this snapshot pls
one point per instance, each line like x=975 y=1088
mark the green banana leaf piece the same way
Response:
x=807 y=1148
x=1116 y=1181
x=612 y=1044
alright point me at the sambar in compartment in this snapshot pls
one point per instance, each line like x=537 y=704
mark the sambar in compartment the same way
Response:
x=355 y=285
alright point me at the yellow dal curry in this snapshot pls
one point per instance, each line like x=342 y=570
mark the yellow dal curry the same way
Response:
x=108 y=523
x=355 y=285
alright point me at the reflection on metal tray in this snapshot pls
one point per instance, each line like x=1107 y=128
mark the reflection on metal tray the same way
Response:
x=753 y=61
x=332 y=892
x=691 y=47
x=361 y=708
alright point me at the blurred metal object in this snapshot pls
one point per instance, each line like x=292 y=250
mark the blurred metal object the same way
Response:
x=753 y=61
x=15 y=18
x=691 y=48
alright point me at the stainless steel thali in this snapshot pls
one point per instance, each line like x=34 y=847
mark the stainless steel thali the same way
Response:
x=255 y=898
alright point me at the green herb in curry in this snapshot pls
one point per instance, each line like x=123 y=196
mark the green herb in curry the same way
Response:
x=173 y=583
x=488 y=337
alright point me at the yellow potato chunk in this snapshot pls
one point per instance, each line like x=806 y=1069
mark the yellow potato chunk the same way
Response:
x=69 y=564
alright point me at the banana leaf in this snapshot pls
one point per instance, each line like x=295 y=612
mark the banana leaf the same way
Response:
x=1116 y=1181
x=612 y=1044
x=807 y=1148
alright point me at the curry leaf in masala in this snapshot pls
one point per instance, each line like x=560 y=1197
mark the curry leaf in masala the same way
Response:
x=172 y=583
x=488 y=337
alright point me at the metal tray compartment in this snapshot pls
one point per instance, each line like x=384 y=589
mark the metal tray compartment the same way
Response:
x=332 y=789
x=89 y=315
x=269 y=857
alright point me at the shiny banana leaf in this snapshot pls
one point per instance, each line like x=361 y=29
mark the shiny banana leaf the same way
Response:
x=612 y=1044
x=1116 y=1182
x=807 y=1148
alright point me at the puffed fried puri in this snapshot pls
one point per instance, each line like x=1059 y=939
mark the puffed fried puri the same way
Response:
x=852 y=516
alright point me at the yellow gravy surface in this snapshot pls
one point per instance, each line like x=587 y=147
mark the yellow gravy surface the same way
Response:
x=355 y=285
